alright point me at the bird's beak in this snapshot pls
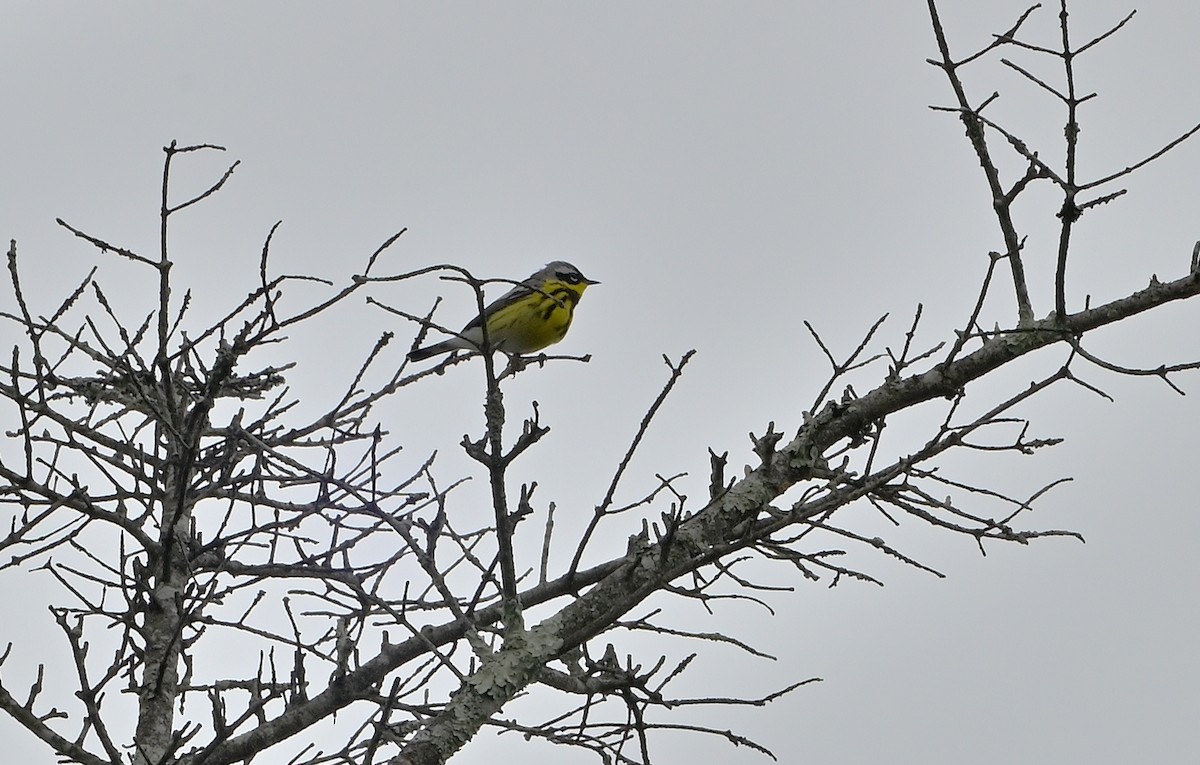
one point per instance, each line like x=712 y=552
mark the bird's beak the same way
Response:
x=590 y=281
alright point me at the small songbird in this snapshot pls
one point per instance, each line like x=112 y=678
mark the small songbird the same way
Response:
x=529 y=317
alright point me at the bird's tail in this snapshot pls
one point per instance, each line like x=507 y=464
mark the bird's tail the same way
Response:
x=429 y=351
x=445 y=346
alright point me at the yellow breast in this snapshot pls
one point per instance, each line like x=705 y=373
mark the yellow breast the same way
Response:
x=537 y=321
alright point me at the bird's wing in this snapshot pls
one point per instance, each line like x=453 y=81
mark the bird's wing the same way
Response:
x=505 y=300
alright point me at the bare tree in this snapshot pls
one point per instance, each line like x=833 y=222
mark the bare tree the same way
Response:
x=162 y=476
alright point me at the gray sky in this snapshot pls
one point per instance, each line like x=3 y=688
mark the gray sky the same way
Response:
x=727 y=171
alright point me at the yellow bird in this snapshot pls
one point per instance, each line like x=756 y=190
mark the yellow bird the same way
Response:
x=531 y=316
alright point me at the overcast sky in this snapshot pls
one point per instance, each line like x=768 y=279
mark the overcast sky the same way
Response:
x=727 y=170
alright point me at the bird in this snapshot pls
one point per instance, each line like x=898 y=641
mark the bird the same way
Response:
x=531 y=316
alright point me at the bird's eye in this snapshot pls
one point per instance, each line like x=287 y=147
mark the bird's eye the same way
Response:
x=571 y=278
